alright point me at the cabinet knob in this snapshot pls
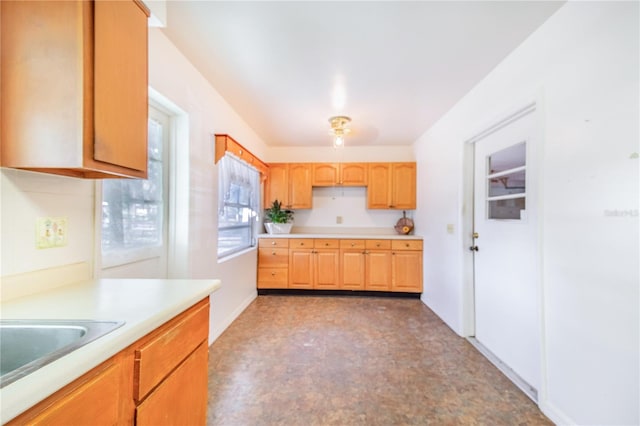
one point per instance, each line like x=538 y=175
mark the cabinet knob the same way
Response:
x=301 y=244
x=378 y=245
x=274 y=253
x=406 y=244
x=273 y=274
x=326 y=244
x=273 y=243
x=353 y=244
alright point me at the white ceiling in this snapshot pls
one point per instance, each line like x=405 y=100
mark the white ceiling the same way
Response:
x=394 y=67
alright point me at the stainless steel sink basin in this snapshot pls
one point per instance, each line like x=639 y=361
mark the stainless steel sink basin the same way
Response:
x=27 y=345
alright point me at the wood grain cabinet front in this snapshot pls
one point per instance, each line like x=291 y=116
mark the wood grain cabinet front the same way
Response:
x=346 y=264
x=82 y=111
x=289 y=183
x=406 y=266
x=344 y=174
x=96 y=398
x=273 y=263
x=170 y=370
x=392 y=186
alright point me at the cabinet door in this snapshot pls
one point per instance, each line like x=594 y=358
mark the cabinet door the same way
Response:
x=91 y=121
x=300 y=194
x=277 y=185
x=301 y=268
x=182 y=398
x=352 y=269
x=326 y=269
x=378 y=270
x=120 y=84
x=325 y=174
x=92 y=400
x=378 y=188
x=406 y=271
x=353 y=174
x=403 y=186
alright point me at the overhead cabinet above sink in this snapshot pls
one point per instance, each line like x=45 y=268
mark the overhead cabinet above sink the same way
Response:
x=74 y=87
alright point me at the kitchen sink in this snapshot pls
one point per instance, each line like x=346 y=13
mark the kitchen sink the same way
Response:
x=27 y=345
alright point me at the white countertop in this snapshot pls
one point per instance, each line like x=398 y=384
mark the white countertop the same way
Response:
x=144 y=304
x=345 y=236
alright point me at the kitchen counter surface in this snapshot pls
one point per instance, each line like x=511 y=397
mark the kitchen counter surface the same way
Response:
x=345 y=236
x=144 y=305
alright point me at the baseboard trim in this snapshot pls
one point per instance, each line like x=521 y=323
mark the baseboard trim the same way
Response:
x=525 y=387
x=555 y=415
x=215 y=332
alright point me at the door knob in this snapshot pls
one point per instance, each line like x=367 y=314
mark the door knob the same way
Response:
x=474 y=248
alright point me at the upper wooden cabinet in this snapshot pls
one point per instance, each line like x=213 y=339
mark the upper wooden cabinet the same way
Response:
x=392 y=186
x=289 y=183
x=345 y=174
x=74 y=87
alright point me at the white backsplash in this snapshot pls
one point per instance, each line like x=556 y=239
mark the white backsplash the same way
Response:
x=349 y=203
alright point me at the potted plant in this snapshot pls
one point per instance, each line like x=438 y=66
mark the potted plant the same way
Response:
x=278 y=220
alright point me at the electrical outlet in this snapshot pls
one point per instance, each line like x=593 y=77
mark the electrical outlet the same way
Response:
x=338 y=220
x=51 y=232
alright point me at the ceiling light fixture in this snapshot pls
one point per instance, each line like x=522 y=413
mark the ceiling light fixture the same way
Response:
x=339 y=129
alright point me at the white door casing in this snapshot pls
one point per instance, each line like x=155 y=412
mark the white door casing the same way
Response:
x=506 y=263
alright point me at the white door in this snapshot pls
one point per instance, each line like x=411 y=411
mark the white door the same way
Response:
x=505 y=248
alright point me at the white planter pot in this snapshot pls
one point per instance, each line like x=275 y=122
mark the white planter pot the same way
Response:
x=278 y=228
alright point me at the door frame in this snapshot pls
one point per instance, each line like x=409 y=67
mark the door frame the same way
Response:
x=532 y=105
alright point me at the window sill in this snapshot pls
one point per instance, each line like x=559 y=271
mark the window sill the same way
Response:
x=236 y=254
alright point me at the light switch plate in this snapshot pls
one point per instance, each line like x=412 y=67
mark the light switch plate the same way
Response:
x=51 y=232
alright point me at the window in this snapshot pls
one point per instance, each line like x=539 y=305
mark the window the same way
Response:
x=506 y=182
x=238 y=201
x=133 y=210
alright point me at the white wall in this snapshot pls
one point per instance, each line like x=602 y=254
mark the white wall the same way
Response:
x=583 y=65
x=173 y=76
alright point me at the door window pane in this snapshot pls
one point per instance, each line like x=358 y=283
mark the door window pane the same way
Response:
x=506 y=209
x=512 y=183
x=508 y=158
x=506 y=182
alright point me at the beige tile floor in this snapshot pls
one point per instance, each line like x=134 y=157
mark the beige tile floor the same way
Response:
x=317 y=360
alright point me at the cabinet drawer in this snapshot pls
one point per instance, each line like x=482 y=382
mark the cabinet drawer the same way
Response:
x=168 y=347
x=326 y=243
x=273 y=277
x=352 y=244
x=301 y=243
x=406 y=245
x=273 y=257
x=378 y=244
x=273 y=242
x=184 y=393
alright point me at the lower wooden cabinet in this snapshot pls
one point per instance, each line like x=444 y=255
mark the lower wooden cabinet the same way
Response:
x=348 y=264
x=406 y=266
x=315 y=268
x=159 y=380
